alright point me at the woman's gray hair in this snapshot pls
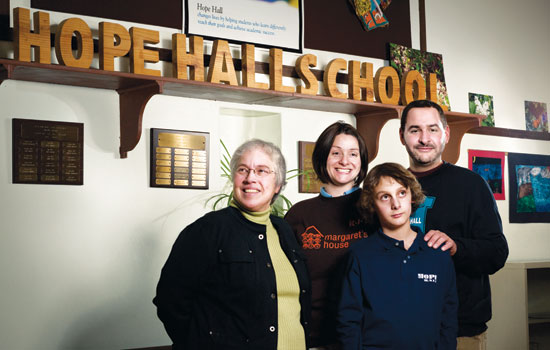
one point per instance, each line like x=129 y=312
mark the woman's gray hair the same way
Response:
x=268 y=148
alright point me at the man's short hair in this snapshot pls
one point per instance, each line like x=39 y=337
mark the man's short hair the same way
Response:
x=422 y=104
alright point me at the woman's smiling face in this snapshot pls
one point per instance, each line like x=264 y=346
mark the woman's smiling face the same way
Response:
x=255 y=189
x=344 y=161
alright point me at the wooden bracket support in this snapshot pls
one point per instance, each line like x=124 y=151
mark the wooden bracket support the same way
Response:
x=5 y=72
x=132 y=104
x=369 y=125
x=458 y=126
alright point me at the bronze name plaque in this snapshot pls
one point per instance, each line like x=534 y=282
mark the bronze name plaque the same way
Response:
x=310 y=184
x=179 y=159
x=47 y=152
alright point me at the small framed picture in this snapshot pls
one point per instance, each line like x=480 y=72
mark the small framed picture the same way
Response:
x=490 y=166
x=482 y=104
x=536 y=116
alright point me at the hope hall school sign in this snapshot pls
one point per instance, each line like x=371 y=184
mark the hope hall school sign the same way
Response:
x=116 y=41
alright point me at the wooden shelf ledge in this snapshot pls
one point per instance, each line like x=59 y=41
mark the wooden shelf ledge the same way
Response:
x=514 y=133
x=135 y=90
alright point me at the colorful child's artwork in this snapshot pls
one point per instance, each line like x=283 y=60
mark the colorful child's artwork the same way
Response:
x=529 y=187
x=482 y=104
x=490 y=166
x=370 y=12
x=536 y=116
x=405 y=59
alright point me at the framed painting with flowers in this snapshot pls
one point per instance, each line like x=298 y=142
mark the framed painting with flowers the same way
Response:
x=483 y=105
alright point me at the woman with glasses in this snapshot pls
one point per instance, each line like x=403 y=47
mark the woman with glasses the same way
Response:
x=235 y=278
x=328 y=224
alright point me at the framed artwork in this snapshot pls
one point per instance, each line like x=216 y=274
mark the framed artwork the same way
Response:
x=307 y=183
x=529 y=176
x=370 y=13
x=482 y=104
x=490 y=166
x=405 y=59
x=267 y=23
x=536 y=116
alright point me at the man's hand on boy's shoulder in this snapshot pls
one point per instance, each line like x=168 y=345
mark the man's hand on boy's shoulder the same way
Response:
x=436 y=239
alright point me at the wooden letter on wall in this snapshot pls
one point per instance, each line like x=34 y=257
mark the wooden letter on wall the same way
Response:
x=221 y=68
x=139 y=55
x=249 y=67
x=359 y=78
x=276 y=71
x=329 y=78
x=24 y=39
x=85 y=43
x=114 y=41
x=408 y=92
x=303 y=63
x=181 y=59
x=386 y=75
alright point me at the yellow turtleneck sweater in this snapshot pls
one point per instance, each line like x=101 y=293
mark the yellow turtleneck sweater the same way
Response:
x=291 y=333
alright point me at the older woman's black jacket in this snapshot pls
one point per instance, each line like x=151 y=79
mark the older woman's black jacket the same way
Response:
x=217 y=290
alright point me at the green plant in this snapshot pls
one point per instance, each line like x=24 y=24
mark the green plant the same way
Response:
x=281 y=205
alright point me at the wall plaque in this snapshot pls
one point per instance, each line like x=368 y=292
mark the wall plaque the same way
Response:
x=47 y=152
x=309 y=184
x=179 y=159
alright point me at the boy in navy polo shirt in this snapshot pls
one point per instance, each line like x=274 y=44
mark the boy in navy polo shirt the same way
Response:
x=397 y=292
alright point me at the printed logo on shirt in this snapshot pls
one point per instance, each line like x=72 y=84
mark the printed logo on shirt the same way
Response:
x=418 y=219
x=313 y=239
x=427 y=277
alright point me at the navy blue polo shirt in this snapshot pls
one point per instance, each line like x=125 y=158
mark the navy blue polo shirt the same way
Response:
x=394 y=298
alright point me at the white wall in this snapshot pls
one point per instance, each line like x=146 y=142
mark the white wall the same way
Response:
x=79 y=264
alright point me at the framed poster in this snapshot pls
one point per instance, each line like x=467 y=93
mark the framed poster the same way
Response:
x=265 y=23
x=490 y=166
x=179 y=158
x=529 y=176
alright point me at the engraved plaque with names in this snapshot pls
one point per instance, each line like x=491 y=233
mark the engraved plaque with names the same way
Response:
x=47 y=152
x=305 y=151
x=179 y=159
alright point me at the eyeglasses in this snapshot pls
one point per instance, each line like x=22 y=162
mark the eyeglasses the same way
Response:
x=261 y=171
